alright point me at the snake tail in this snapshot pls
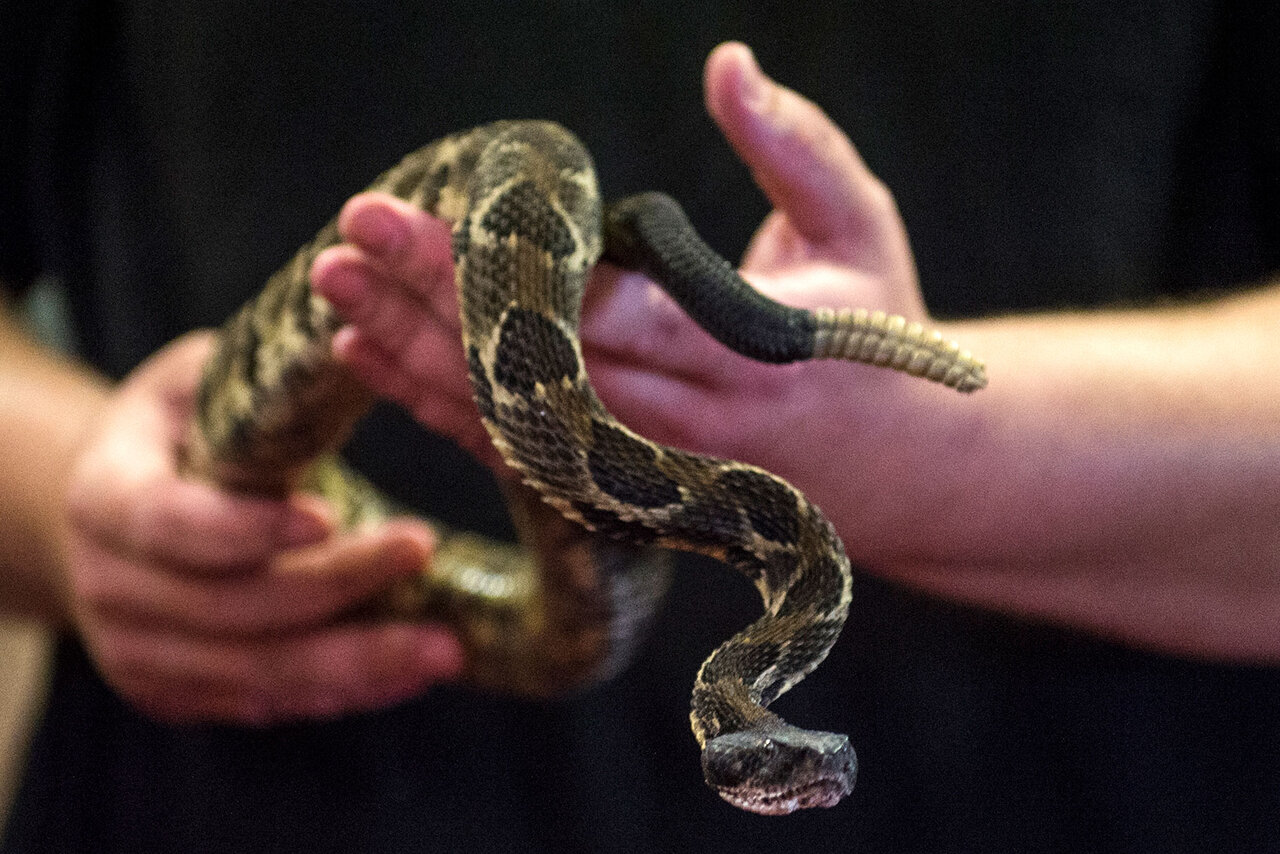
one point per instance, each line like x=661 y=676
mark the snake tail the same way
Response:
x=891 y=341
x=651 y=233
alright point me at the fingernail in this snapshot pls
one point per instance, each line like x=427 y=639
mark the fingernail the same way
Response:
x=379 y=231
x=305 y=526
x=754 y=86
x=441 y=653
x=404 y=554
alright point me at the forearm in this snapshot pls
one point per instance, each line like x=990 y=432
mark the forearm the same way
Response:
x=1121 y=474
x=46 y=404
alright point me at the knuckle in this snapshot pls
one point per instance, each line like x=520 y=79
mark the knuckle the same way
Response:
x=152 y=520
x=100 y=591
x=90 y=585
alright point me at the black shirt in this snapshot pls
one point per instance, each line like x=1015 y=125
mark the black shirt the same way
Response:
x=162 y=159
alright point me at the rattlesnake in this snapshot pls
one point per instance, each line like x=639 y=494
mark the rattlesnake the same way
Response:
x=528 y=225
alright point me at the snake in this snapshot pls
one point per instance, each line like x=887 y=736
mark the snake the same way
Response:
x=597 y=505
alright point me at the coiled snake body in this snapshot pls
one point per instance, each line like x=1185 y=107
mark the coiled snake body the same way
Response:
x=528 y=227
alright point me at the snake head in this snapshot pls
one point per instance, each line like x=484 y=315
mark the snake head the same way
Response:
x=781 y=770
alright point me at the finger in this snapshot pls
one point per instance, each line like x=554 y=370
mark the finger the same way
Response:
x=803 y=162
x=398 y=344
x=630 y=322
x=127 y=494
x=300 y=589
x=659 y=406
x=325 y=673
x=379 y=302
x=777 y=247
x=133 y=500
x=412 y=245
x=425 y=375
x=188 y=701
x=402 y=349
x=629 y=319
x=435 y=389
x=198 y=527
x=357 y=668
x=394 y=279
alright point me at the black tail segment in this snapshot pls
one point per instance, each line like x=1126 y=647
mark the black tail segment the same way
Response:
x=649 y=232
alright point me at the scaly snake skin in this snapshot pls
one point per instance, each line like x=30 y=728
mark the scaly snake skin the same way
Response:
x=528 y=226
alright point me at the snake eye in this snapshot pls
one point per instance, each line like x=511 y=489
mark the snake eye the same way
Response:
x=738 y=758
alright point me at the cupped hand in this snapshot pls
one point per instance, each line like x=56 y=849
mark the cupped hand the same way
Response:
x=197 y=605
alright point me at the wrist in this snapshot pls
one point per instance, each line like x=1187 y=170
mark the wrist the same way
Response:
x=48 y=406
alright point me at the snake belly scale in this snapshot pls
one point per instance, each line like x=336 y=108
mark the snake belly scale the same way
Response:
x=528 y=226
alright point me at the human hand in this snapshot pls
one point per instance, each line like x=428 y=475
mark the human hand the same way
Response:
x=197 y=605
x=834 y=238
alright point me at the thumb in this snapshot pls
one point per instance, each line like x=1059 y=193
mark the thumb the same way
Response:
x=805 y=164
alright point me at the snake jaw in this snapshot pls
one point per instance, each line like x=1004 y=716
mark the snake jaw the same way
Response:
x=782 y=770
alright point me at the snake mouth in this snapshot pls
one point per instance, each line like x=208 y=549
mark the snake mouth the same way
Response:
x=819 y=793
x=780 y=771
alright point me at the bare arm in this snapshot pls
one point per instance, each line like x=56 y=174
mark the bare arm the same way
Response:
x=1120 y=475
x=45 y=404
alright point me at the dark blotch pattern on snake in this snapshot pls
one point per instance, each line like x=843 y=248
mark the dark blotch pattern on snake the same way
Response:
x=528 y=226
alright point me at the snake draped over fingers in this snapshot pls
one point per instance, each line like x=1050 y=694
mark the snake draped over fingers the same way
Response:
x=599 y=501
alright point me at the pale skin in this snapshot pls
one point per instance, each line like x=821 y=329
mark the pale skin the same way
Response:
x=1119 y=476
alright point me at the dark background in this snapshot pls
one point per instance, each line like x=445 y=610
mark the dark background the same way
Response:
x=163 y=158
